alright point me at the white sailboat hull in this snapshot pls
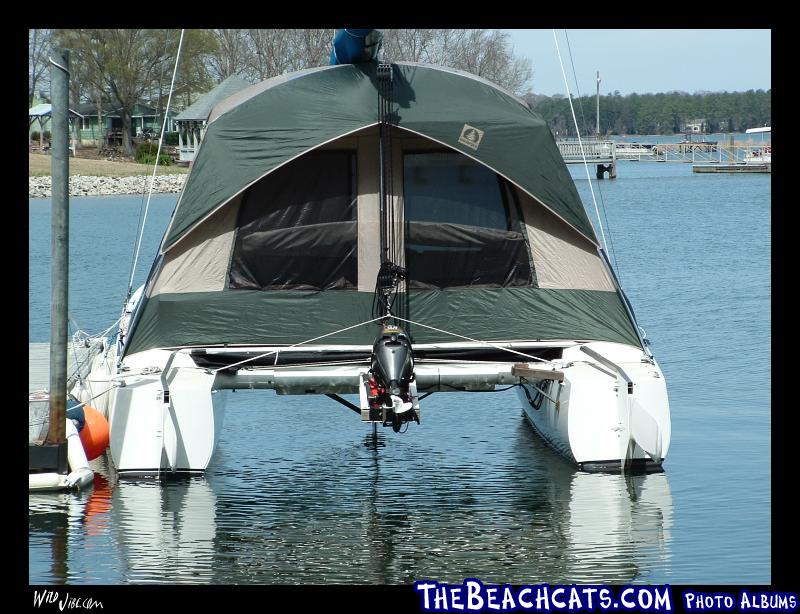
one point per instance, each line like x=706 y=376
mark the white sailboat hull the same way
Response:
x=153 y=432
x=595 y=418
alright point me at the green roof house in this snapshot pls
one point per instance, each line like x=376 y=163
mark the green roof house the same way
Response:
x=192 y=121
x=144 y=117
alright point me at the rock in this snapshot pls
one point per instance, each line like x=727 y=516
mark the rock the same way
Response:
x=80 y=185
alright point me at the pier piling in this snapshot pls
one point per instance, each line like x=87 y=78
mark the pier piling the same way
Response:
x=59 y=92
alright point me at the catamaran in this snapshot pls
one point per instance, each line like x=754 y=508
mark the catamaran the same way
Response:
x=385 y=230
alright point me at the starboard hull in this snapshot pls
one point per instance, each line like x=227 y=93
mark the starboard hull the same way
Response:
x=597 y=419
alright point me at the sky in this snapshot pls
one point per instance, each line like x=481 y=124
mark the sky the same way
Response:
x=642 y=61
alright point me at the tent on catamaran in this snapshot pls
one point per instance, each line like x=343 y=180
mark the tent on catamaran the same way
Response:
x=388 y=231
x=275 y=237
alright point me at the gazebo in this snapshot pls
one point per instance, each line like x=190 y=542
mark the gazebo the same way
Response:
x=193 y=120
x=41 y=113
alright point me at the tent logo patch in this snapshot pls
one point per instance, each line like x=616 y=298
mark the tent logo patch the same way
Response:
x=470 y=136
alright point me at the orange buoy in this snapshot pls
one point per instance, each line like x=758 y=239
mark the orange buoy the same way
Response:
x=94 y=435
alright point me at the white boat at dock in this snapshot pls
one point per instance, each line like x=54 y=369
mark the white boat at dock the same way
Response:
x=634 y=151
x=387 y=231
x=760 y=154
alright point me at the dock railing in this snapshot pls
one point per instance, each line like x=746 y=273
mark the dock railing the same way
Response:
x=707 y=153
x=595 y=151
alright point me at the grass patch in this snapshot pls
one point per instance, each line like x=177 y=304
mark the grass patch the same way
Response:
x=39 y=165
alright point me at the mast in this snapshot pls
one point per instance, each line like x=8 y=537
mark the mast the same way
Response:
x=598 y=104
x=390 y=273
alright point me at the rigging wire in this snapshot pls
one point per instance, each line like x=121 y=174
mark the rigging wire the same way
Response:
x=144 y=183
x=498 y=347
x=580 y=141
x=594 y=200
x=599 y=190
x=155 y=167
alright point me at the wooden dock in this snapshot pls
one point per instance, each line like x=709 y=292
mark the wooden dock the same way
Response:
x=39 y=363
x=732 y=168
x=603 y=154
x=709 y=156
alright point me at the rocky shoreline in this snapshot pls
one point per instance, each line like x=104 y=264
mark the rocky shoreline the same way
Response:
x=80 y=185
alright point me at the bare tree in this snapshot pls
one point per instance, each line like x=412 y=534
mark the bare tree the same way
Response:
x=270 y=55
x=274 y=52
x=312 y=47
x=409 y=45
x=232 y=54
x=486 y=53
x=38 y=49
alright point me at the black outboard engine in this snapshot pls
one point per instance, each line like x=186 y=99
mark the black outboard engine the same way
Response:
x=392 y=370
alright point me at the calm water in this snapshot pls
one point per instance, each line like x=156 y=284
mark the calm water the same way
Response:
x=298 y=493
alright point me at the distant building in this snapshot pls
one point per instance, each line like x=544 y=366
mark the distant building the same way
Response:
x=192 y=121
x=694 y=125
x=40 y=115
x=143 y=118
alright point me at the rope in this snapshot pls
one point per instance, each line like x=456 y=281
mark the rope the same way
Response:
x=271 y=352
x=580 y=141
x=497 y=347
x=246 y=360
x=97 y=396
x=155 y=166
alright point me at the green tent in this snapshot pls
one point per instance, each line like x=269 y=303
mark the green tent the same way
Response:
x=275 y=237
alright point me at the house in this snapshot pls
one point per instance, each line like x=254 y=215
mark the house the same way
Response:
x=695 y=125
x=143 y=117
x=41 y=113
x=192 y=121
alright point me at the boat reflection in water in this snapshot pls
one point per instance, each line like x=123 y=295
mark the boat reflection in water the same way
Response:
x=166 y=531
x=355 y=513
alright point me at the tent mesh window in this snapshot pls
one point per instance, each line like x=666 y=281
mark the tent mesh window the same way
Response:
x=297 y=227
x=462 y=225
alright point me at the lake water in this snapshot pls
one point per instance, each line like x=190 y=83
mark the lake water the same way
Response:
x=298 y=493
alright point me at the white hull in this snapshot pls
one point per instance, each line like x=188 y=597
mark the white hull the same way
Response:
x=595 y=418
x=150 y=433
x=590 y=417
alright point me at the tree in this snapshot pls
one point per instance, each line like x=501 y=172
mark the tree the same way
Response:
x=261 y=54
x=231 y=55
x=38 y=49
x=662 y=113
x=486 y=53
x=197 y=49
x=125 y=64
x=277 y=51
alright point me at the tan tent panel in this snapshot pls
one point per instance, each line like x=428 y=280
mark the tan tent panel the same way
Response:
x=368 y=212
x=563 y=258
x=200 y=263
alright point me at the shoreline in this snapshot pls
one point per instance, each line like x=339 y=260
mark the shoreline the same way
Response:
x=93 y=185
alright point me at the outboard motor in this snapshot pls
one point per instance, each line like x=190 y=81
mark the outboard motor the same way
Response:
x=391 y=373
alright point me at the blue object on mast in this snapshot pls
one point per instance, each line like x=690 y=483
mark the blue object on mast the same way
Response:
x=351 y=46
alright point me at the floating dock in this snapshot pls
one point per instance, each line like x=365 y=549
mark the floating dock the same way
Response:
x=49 y=464
x=732 y=168
x=39 y=363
